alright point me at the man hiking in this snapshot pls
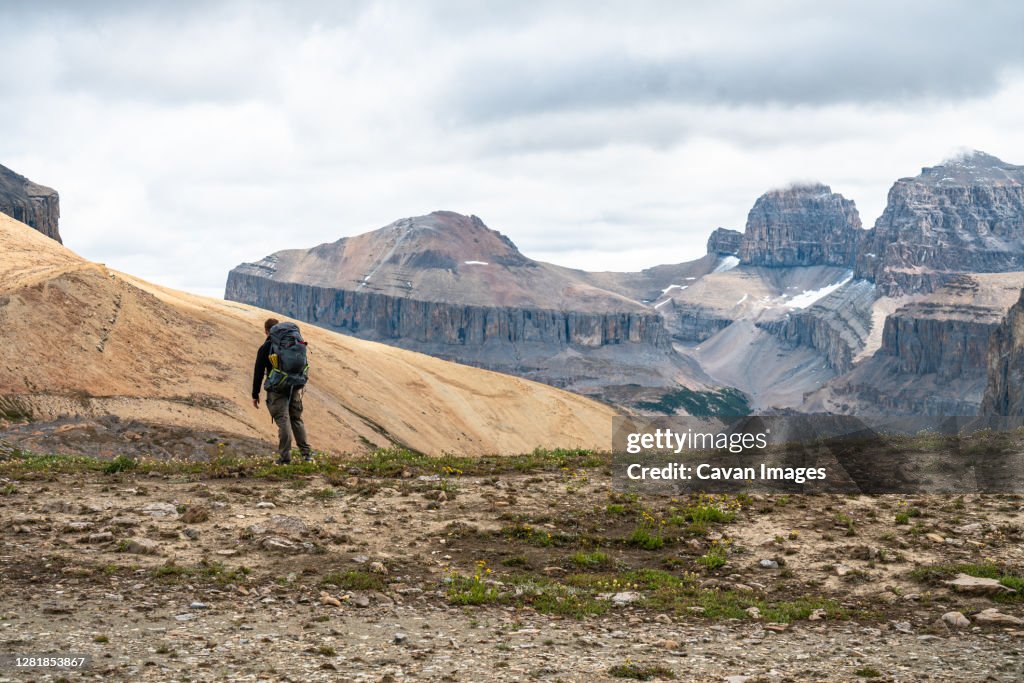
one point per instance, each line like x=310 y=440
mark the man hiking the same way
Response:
x=282 y=370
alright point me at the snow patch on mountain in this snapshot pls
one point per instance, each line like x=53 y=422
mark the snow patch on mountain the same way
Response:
x=810 y=296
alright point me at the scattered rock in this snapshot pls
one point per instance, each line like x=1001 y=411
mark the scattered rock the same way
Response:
x=400 y=639
x=769 y=564
x=61 y=506
x=140 y=546
x=102 y=537
x=161 y=510
x=124 y=522
x=902 y=626
x=624 y=598
x=841 y=570
x=378 y=568
x=977 y=585
x=278 y=544
x=328 y=599
x=753 y=612
x=265 y=505
x=190 y=533
x=196 y=515
x=993 y=617
x=956 y=620
x=289 y=526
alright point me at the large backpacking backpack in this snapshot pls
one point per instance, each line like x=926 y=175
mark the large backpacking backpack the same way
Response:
x=289 y=366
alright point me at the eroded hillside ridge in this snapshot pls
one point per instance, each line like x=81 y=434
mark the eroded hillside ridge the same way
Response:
x=117 y=375
x=803 y=225
x=838 y=325
x=32 y=204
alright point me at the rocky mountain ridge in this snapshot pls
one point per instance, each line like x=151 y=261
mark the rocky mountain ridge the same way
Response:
x=966 y=215
x=803 y=225
x=447 y=285
x=848 y=319
x=34 y=205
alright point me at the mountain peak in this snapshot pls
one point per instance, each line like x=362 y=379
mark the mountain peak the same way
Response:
x=801 y=225
x=971 y=168
x=802 y=189
x=448 y=237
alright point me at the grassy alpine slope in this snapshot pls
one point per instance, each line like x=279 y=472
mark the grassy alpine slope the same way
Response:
x=119 y=362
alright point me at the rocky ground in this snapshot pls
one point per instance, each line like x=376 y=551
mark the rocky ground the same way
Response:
x=397 y=568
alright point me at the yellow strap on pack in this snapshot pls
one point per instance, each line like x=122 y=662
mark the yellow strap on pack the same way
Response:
x=273 y=360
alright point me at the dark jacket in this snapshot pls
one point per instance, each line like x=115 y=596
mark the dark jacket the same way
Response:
x=259 y=373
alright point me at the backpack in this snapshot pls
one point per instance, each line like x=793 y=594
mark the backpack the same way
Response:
x=289 y=367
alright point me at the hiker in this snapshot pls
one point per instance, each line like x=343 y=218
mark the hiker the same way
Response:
x=282 y=362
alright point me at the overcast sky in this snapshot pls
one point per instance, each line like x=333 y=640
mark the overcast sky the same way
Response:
x=185 y=138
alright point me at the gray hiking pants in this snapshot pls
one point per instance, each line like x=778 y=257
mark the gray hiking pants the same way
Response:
x=287 y=413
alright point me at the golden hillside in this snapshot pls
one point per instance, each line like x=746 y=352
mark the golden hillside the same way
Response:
x=84 y=342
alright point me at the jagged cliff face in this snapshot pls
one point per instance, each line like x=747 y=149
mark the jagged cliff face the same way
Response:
x=447 y=285
x=934 y=352
x=30 y=203
x=801 y=226
x=1004 y=390
x=382 y=317
x=838 y=325
x=966 y=215
x=725 y=242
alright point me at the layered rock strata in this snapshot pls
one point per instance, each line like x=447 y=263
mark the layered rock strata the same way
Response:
x=806 y=225
x=838 y=325
x=32 y=204
x=724 y=242
x=966 y=215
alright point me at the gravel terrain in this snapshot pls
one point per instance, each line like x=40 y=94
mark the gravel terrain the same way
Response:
x=427 y=573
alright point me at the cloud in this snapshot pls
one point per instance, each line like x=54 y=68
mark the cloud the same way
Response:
x=185 y=138
x=755 y=54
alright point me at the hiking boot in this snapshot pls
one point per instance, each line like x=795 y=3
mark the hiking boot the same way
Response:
x=307 y=457
x=283 y=461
